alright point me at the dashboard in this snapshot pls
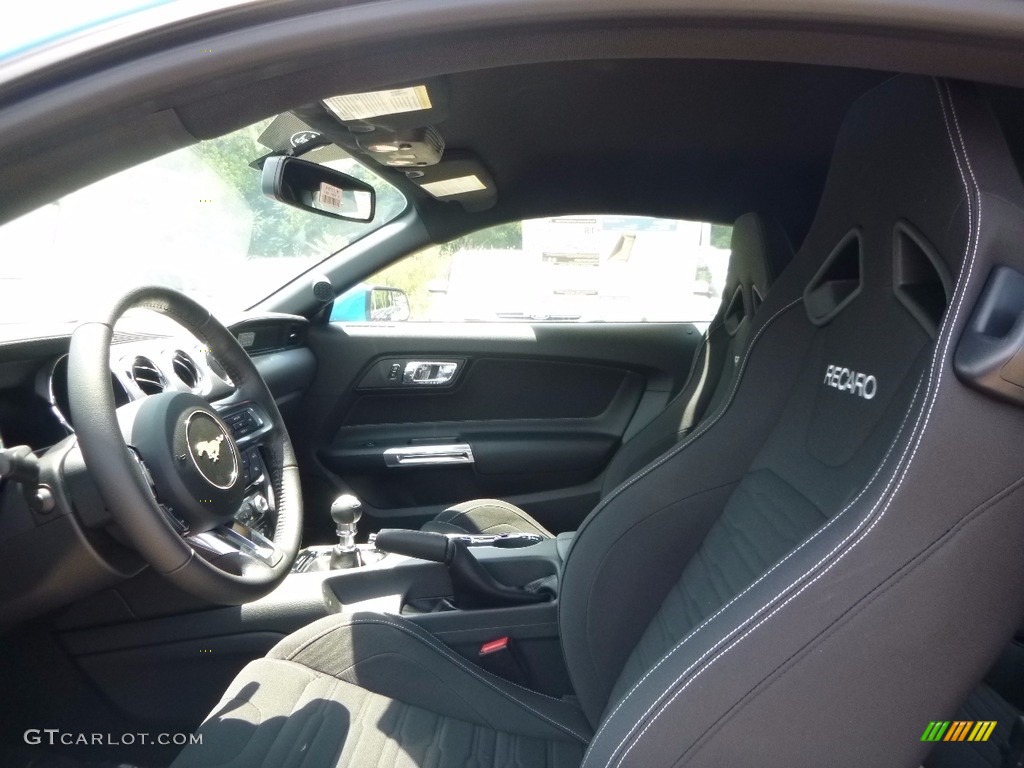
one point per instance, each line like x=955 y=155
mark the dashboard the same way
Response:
x=141 y=364
x=53 y=387
x=34 y=406
x=52 y=556
x=36 y=411
x=140 y=368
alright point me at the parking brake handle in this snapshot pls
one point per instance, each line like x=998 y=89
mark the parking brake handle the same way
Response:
x=474 y=587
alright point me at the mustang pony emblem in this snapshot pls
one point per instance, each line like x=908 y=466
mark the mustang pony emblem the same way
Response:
x=211 y=448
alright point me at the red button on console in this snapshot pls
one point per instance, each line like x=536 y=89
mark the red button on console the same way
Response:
x=494 y=646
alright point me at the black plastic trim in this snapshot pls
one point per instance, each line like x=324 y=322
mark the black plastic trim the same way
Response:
x=990 y=354
x=835 y=285
x=914 y=279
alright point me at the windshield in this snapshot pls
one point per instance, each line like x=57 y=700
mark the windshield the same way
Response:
x=194 y=220
x=39 y=23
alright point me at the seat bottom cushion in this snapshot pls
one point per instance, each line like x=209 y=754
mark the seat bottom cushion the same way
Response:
x=489 y=516
x=375 y=690
x=279 y=714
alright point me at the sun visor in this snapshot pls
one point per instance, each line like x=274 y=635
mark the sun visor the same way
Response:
x=395 y=127
x=459 y=178
x=288 y=133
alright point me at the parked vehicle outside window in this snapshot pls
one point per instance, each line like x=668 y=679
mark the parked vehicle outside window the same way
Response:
x=595 y=268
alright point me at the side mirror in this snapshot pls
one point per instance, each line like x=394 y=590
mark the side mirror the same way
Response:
x=363 y=303
x=317 y=189
x=389 y=304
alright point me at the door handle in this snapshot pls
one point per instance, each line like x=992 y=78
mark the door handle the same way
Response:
x=429 y=455
x=428 y=372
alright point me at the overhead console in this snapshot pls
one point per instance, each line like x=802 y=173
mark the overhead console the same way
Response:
x=400 y=128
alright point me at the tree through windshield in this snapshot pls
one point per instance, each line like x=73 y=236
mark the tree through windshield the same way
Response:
x=194 y=220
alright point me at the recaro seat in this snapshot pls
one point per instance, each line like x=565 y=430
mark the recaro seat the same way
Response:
x=760 y=251
x=809 y=595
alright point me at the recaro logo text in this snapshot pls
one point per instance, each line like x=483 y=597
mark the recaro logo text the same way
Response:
x=861 y=384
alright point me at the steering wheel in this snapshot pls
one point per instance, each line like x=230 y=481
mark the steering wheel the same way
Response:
x=169 y=468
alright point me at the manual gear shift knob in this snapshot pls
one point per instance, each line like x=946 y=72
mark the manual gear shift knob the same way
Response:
x=346 y=510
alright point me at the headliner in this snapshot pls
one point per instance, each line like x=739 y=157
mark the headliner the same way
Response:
x=120 y=102
x=704 y=140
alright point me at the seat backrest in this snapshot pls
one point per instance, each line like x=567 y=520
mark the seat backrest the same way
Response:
x=760 y=250
x=828 y=561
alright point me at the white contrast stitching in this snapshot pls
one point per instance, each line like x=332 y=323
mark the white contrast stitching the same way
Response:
x=706 y=425
x=701 y=429
x=444 y=652
x=765 y=575
x=931 y=395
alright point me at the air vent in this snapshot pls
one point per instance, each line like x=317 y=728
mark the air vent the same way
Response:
x=185 y=369
x=838 y=281
x=216 y=367
x=147 y=376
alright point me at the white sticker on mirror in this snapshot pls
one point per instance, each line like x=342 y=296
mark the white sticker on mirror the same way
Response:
x=330 y=197
x=360 y=106
x=460 y=185
x=354 y=204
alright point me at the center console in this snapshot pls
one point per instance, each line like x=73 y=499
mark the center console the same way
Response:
x=144 y=635
x=492 y=599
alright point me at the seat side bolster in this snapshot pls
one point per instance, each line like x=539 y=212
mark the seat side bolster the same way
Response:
x=632 y=548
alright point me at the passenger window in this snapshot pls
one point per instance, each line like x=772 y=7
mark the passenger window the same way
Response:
x=565 y=269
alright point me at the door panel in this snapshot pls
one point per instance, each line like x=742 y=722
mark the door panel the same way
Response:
x=494 y=388
x=531 y=414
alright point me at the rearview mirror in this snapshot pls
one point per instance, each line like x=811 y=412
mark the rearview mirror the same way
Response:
x=317 y=189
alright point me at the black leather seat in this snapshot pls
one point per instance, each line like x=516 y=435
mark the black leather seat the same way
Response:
x=829 y=561
x=760 y=251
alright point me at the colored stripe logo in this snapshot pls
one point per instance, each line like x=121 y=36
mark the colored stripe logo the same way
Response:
x=958 y=730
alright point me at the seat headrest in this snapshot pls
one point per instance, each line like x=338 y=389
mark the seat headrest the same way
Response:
x=760 y=251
